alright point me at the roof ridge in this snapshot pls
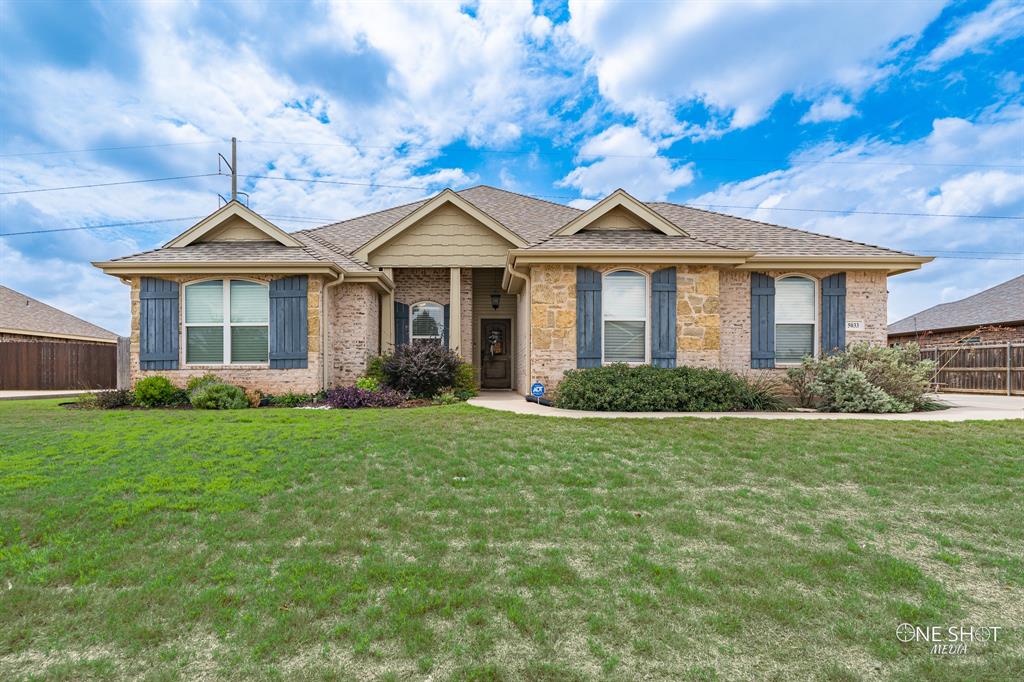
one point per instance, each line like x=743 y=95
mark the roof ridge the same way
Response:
x=786 y=227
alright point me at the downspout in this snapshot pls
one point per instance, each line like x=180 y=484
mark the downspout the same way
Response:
x=506 y=282
x=323 y=326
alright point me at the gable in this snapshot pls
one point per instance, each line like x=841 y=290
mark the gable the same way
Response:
x=445 y=237
x=618 y=218
x=619 y=211
x=233 y=222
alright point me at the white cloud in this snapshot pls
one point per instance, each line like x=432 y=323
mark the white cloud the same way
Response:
x=930 y=175
x=1001 y=21
x=738 y=58
x=831 y=108
x=623 y=157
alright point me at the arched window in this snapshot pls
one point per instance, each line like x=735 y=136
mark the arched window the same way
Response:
x=426 y=321
x=796 y=307
x=226 y=322
x=624 y=309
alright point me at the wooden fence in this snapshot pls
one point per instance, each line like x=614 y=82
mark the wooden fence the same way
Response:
x=44 y=365
x=979 y=368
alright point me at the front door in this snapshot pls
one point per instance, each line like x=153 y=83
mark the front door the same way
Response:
x=496 y=354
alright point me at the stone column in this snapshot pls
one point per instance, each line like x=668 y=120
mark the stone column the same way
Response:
x=455 y=312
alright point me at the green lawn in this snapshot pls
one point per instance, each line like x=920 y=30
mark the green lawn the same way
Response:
x=459 y=543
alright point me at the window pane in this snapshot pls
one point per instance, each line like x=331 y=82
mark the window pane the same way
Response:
x=250 y=302
x=249 y=344
x=625 y=296
x=624 y=341
x=427 y=320
x=204 y=302
x=794 y=300
x=204 y=345
x=793 y=342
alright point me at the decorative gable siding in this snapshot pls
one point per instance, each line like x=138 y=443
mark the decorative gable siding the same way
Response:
x=235 y=229
x=618 y=219
x=446 y=237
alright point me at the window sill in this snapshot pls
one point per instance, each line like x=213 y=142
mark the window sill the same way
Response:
x=231 y=366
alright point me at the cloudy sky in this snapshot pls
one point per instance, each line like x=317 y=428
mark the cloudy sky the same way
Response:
x=825 y=116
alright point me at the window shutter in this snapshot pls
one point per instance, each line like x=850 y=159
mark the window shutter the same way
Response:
x=762 y=321
x=401 y=324
x=588 y=318
x=445 y=323
x=663 y=318
x=158 y=324
x=289 y=326
x=833 y=313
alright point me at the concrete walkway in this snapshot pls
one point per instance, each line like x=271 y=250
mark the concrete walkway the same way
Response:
x=31 y=395
x=962 y=407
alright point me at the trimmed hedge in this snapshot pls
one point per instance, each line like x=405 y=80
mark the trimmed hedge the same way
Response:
x=643 y=388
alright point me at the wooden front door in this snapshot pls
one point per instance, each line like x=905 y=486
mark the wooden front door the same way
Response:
x=495 y=354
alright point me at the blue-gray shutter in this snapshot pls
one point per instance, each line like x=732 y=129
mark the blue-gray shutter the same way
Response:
x=158 y=324
x=289 y=326
x=663 y=318
x=447 y=321
x=762 y=321
x=401 y=323
x=833 y=313
x=588 y=318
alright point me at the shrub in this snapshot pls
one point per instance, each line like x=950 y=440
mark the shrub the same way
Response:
x=120 y=397
x=87 y=401
x=157 y=391
x=375 y=368
x=421 y=368
x=368 y=383
x=291 y=399
x=446 y=398
x=219 y=396
x=351 y=397
x=762 y=392
x=645 y=388
x=844 y=382
x=801 y=380
x=464 y=384
x=205 y=380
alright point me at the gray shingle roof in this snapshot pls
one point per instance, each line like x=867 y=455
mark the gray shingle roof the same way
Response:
x=535 y=220
x=24 y=313
x=1000 y=304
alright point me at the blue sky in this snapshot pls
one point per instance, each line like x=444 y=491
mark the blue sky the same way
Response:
x=849 y=109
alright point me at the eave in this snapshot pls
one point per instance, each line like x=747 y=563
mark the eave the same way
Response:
x=537 y=256
x=892 y=265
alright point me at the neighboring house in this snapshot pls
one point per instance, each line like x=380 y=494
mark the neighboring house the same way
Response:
x=993 y=315
x=524 y=289
x=42 y=347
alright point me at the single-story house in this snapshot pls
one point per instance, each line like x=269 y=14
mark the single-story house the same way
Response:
x=524 y=289
x=995 y=315
x=42 y=347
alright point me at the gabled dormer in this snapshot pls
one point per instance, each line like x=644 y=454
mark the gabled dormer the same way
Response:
x=620 y=211
x=233 y=222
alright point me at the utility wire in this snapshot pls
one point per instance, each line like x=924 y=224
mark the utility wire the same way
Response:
x=108 y=149
x=332 y=182
x=524 y=152
x=107 y=184
x=893 y=213
x=99 y=227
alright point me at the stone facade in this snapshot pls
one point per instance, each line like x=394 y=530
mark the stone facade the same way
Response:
x=307 y=380
x=352 y=311
x=414 y=285
x=553 y=317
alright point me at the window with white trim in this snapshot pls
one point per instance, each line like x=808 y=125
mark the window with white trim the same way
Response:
x=426 y=321
x=624 y=311
x=795 y=318
x=226 y=322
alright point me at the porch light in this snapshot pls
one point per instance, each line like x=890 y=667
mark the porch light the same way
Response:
x=495 y=300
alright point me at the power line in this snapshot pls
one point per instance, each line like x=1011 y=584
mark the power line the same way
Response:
x=333 y=182
x=108 y=149
x=100 y=227
x=731 y=159
x=107 y=184
x=858 y=212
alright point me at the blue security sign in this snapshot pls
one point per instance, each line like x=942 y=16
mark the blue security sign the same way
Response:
x=537 y=390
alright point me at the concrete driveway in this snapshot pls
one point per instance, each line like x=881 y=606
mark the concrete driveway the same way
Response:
x=962 y=407
x=29 y=395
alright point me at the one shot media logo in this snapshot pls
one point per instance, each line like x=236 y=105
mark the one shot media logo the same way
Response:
x=948 y=640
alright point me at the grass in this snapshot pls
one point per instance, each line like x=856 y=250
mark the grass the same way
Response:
x=457 y=543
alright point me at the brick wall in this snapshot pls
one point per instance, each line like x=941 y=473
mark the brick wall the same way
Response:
x=414 y=285
x=352 y=311
x=305 y=380
x=866 y=300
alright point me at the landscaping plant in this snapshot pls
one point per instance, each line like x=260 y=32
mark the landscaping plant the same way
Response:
x=118 y=397
x=865 y=378
x=421 y=368
x=351 y=397
x=368 y=383
x=643 y=388
x=464 y=386
x=158 y=391
x=219 y=396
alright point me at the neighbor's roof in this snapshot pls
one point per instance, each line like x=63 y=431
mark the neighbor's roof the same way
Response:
x=535 y=221
x=21 y=314
x=1001 y=304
